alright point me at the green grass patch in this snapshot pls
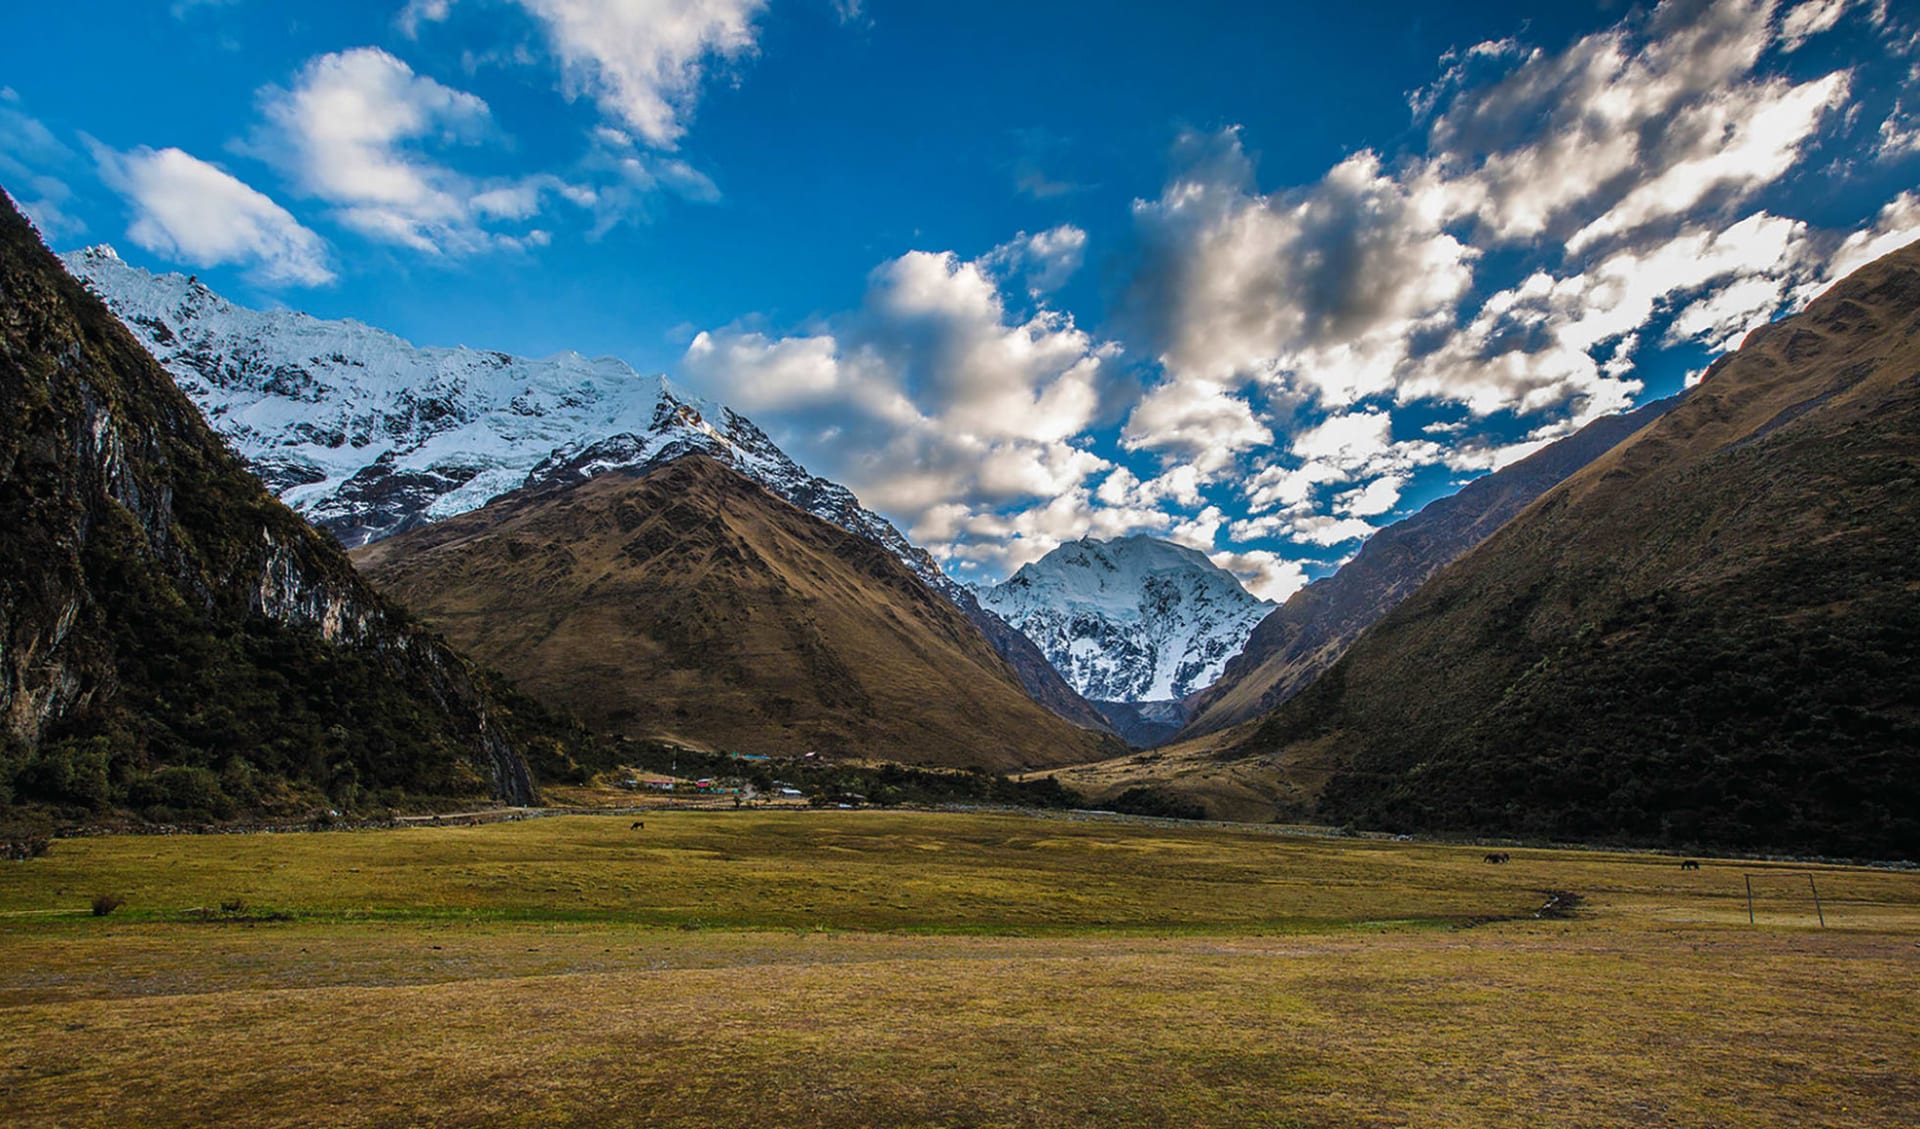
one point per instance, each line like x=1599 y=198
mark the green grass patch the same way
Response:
x=892 y=968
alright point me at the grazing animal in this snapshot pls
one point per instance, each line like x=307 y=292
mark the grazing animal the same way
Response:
x=638 y=825
x=1689 y=864
x=1498 y=857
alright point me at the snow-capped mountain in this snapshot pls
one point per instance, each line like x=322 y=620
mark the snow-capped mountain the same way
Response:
x=368 y=435
x=1135 y=619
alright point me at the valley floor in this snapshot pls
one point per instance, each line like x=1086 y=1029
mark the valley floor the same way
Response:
x=922 y=969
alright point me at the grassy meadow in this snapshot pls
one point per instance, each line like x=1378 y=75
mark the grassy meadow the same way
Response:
x=840 y=968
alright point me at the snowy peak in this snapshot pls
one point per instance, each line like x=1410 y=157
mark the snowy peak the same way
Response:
x=1135 y=619
x=368 y=435
x=1113 y=572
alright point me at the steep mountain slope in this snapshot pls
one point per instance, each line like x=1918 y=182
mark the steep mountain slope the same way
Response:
x=690 y=602
x=172 y=639
x=368 y=435
x=1135 y=619
x=1711 y=634
x=1317 y=624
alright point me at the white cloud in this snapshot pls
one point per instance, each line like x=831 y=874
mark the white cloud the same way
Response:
x=1899 y=134
x=1197 y=421
x=1265 y=573
x=1750 y=137
x=1046 y=260
x=1373 y=499
x=1808 y=19
x=355 y=129
x=1564 y=214
x=419 y=12
x=643 y=61
x=193 y=212
x=1353 y=447
x=771 y=374
x=1346 y=441
x=933 y=400
x=1897 y=225
x=1562 y=138
x=347 y=132
x=1316 y=291
x=1200 y=531
x=1324 y=530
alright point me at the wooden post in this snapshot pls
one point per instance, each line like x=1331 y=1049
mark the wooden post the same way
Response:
x=1749 y=899
x=1816 y=901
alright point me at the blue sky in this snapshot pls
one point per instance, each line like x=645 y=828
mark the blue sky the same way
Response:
x=1257 y=277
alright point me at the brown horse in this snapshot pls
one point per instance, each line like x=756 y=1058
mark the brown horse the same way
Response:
x=1689 y=864
x=1498 y=857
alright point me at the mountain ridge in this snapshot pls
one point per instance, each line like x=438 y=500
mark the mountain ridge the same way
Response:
x=1710 y=634
x=368 y=435
x=1308 y=633
x=689 y=601
x=1133 y=619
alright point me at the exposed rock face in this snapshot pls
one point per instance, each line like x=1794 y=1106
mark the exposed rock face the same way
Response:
x=1145 y=725
x=1134 y=619
x=1307 y=634
x=369 y=436
x=688 y=602
x=155 y=602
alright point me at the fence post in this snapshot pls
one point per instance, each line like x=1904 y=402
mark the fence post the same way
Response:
x=1749 y=899
x=1816 y=901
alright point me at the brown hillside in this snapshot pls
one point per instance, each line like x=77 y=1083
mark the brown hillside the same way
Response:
x=1310 y=632
x=1711 y=634
x=690 y=603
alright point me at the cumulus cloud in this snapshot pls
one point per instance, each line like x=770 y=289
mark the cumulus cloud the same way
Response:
x=350 y=131
x=934 y=400
x=1265 y=573
x=1046 y=260
x=1746 y=140
x=1319 y=290
x=643 y=61
x=197 y=213
x=1609 y=170
x=1808 y=19
x=360 y=130
x=1195 y=420
x=1897 y=225
x=1316 y=348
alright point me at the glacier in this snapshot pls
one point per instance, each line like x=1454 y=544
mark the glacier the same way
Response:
x=1134 y=619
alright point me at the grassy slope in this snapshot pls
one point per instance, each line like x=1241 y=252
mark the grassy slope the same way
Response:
x=1711 y=634
x=691 y=603
x=848 y=969
x=1310 y=632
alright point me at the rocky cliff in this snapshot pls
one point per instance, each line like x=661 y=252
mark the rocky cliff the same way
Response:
x=172 y=638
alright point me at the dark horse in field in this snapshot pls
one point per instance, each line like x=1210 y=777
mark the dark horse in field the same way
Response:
x=1689 y=864
x=1497 y=857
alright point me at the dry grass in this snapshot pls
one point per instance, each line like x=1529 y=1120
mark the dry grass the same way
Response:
x=951 y=970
